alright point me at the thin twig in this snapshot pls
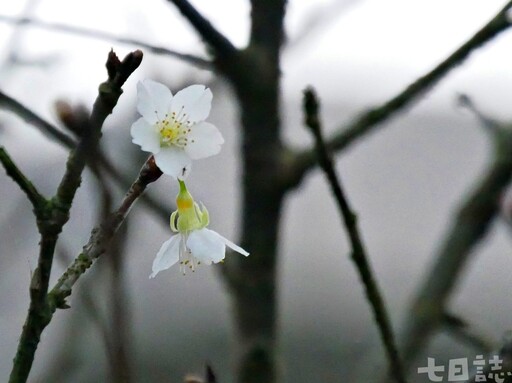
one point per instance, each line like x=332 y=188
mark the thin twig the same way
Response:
x=487 y=122
x=99 y=35
x=51 y=131
x=15 y=41
x=359 y=256
x=214 y=39
x=109 y=93
x=101 y=237
x=29 y=116
x=320 y=18
x=370 y=120
x=459 y=329
x=210 y=375
x=38 y=201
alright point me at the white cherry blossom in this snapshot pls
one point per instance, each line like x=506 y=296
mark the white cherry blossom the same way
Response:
x=193 y=244
x=173 y=127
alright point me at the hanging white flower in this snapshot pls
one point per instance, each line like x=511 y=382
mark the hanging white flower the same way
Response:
x=173 y=127
x=194 y=243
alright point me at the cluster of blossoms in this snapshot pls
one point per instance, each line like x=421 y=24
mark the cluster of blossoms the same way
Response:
x=174 y=130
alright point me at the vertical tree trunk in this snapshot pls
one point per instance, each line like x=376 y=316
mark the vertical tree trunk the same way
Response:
x=253 y=279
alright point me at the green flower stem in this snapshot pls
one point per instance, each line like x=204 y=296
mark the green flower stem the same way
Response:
x=359 y=256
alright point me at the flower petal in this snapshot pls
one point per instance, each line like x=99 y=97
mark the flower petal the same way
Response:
x=231 y=245
x=173 y=161
x=204 y=140
x=167 y=256
x=145 y=135
x=206 y=245
x=153 y=100
x=195 y=101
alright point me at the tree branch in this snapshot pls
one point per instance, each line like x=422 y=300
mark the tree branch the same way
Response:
x=459 y=329
x=101 y=236
x=55 y=134
x=267 y=24
x=469 y=226
x=55 y=214
x=109 y=93
x=29 y=116
x=37 y=200
x=220 y=45
x=370 y=120
x=358 y=254
x=99 y=35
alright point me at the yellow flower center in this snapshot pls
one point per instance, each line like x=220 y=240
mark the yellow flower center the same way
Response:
x=174 y=129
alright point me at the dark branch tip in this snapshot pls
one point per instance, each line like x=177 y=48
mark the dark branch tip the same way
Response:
x=310 y=101
x=112 y=64
x=210 y=375
x=150 y=172
x=311 y=107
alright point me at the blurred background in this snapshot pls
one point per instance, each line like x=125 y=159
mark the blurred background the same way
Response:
x=404 y=181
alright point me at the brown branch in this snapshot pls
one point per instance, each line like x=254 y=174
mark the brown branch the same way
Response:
x=101 y=237
x=37 y=200
x=32 y=118
x=55 y=214
x=459 y=329
x=109 y=93
x=370 y=120
x=358 y=254
x=55 y=134
x=469 y=226
x=220 y=45
x=99 y=35
x=267 y=24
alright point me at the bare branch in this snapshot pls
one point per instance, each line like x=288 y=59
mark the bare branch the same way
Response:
x=358 y=254
x=101 y=237
x=54 y=133
x=267 y=24
x=487 y=122
x=469 y=227
x=459 y=329
x=320 y=18
x=370 y=120
x=99 y=35
x=109 y=93
x=54 y=216
x=38 y=201
x=220 y=45
x=29 y=116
